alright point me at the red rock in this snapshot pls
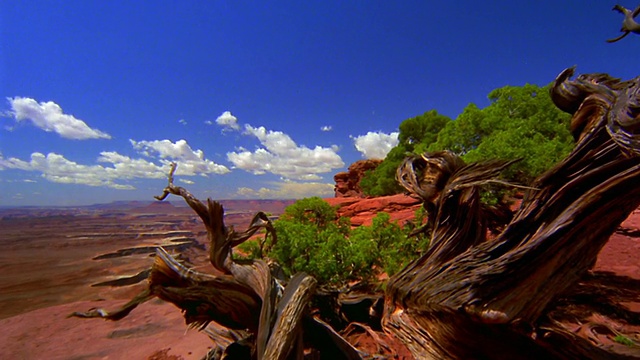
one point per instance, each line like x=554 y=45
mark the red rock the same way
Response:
x=400 y=207
x=348 y=182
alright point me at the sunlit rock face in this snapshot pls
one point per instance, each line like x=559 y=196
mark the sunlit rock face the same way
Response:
x=348 y=182
x=353 y=203
x=361 y=211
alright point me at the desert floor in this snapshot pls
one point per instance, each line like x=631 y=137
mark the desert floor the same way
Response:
x=49 y=260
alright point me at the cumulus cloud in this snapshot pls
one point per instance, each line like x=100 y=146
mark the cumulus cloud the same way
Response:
x=126 y=167
x=280 y=155
x=228 y=121
x=115 y=167
x=375 y=145
x=326 y=128
x=182 y=121
x=289 y=190
x=48 y=116
x=190 y=162
x=56 y=168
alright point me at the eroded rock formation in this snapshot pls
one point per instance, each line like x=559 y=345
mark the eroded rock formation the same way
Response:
x=400 y=207
x=348 y=182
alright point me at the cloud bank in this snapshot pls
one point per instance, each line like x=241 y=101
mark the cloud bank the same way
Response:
x=190 y=162
x=48 y=116
x=280 y=155
x=289 y=190
x=375 y=145
x=56 y=168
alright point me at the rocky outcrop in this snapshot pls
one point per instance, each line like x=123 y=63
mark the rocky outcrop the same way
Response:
x=400 y=207
x=348 y=182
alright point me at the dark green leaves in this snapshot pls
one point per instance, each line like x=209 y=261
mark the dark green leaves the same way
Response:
x=521 y=122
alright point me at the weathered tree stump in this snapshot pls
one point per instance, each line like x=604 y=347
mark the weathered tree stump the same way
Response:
x=467 y=298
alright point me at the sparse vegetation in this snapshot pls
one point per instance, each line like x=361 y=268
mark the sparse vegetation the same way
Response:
x=621 y=339
x=312 y=239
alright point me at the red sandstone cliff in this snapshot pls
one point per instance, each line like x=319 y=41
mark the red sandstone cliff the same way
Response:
x=352 y=203
x=400 y=207
x=348 y=182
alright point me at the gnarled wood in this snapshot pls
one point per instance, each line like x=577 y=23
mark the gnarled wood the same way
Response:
x=266 y=320
x=466 y=298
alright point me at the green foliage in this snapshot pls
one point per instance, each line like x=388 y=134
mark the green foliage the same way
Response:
x=419 y=216
x=463 y=134
x=422 y=129
x=521 y=122
x=385 y=245
x=250 y=249
x=415 y=136
x=621 y=339
x=382 y=180
x=335 y=254
x=311 y=210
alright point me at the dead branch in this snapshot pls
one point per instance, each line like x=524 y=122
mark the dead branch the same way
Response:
x=468 y=298
x=244 y=298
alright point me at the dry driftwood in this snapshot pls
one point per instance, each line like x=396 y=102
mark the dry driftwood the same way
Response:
x=266 y=320
x=467 y=298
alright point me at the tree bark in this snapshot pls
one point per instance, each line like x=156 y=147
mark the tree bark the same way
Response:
x=467 y=298
x=267 y=320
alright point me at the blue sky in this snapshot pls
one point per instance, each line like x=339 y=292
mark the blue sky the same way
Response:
x=258 y=99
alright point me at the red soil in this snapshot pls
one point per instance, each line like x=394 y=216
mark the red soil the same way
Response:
x=43 y=281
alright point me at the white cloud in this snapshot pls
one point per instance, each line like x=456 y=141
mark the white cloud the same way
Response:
x=326 y=128
x=289 y=190
x=187 y=181
x=190 y=162
x=48 y=116
x=56 y=168
x=182 y=121
x=228 y=121
x=375 y=145
x=282 y=156
x=128 y=168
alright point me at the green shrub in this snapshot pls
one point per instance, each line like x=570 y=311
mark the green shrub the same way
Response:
x=327 y=248
x=621 y=339
x=521 y=122
x=250 y=249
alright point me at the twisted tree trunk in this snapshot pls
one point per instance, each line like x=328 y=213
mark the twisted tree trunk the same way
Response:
x=266 y=320
x=471 y=299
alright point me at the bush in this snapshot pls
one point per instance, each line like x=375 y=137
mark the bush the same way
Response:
x=311 y=210
x=415 y=135
x=521 y=122
x=311 y=239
